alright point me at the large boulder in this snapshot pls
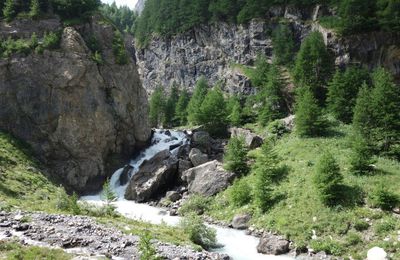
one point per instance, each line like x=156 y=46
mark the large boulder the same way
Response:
x=376 y=253
x=272 y=245
x=207 y=179
x=252 y=140
x=241 y=221
x=202 y=141
x=197 y=157
x=154 y=176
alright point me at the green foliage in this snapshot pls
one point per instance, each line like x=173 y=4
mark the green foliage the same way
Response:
x=9 y=11
x=235 y=158
x=313 y=66
x=361 y=225
x=328 y=179
x=120 y=53
x=309 y=120
x=361 y=158
x=198 y=232
x=74 y=205
x=213 y=113
x=383 y=198
x=284 y=45
x=34 y=11
x=357 y=16
x=96 y=57
x=273 y=102
x=15 y=251
x=157 y=104
x=389 y=14
x=259 y=77
x=181 y=112
x=170 y=108
x=108 y=195
x=146 y=248
x=75 y=8
x=328 y=246
x=235 y=111
x=123 y=17
x=343 y=90
x=277 y=128
x=199 y=94
x=51 y=40
x=195 y=204
x=240 y=193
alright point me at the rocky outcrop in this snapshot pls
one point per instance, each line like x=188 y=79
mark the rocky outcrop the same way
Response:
x=273 y=245
x=81 y=119
x=213 y=50
x=154 y=175
x=241 y=221
x=197 y=157
x=207 y=179
x=251 y=140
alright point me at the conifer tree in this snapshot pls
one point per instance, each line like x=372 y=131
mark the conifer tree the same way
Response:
x=389 y=14
x=34 y=9
x=170 y=107
x=9 y=10
x=361 y=157
x=309 y=120
x=313 y=66
x=235 y=158
x=109 y=196
x=181 y=108
x=197 y=99
x=284 y=44
x=259 y=77
x=328 y=179
x=157 y=104
x=235 y=110
x=213 y=112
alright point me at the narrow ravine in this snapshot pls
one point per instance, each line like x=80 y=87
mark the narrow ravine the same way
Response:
x=236 y=243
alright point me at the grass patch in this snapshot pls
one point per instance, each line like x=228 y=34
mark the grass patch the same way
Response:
x=300 y=212
x=15 y=251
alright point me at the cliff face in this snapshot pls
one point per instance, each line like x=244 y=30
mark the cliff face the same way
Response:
x=211 y=51
x=82 y=119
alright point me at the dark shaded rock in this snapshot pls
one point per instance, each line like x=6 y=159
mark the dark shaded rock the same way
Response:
x=22 y=227
x=252 y=140
x=154 y=176
x=272 y=245
x=125 y=175
x=184 y=165
x=173 y=196
x=197 y=157
x=241 y=221
x=207 y=179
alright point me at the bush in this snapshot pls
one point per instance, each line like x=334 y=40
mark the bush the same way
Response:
x=383 y=198
x=235 y=158
x=75 y=8
x=96 y=57
x=146 y=248
x=51 y=40
x=198 y=232
x=328 y=246
x=277 y=128
x=240 y=193
x=353 y=239
x=385 y=226
x=195 y=204
x=328 y=179
x=120 y=54
x=361 y=225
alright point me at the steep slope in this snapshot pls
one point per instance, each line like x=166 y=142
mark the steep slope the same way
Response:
x=81 y=118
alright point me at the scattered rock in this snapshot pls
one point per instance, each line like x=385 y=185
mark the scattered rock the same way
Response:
x=252 y=140
x=376 y=253
x=22 y=227
x=173 y=196
x=202 y=141
x=288 y=122
x=207 y=179
x=272 y=245
x=197 y=157
x=184 y=165
x=241 y=221
x=396 y=211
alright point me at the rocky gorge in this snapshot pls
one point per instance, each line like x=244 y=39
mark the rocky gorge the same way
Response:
x=213 y=51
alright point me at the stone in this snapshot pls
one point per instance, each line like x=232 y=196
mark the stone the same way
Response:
x=184 y=165
x=201 y=140
x=251 y=140
x=197 y=157
x=173 y=196
x=241 y=221
x=376 y=253
x=207 y=179
x=83 y=121
x=153 y=176
x=288 y=122
x=272 y=245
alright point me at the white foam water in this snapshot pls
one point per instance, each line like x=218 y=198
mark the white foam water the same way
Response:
x=236 y=243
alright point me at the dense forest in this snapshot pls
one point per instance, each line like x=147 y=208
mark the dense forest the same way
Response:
x=168 y=17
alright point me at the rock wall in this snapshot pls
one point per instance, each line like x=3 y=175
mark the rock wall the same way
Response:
x=212 y=50
x=81 y=119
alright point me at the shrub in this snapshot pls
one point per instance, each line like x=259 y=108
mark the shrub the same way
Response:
x=385 y=225
x=361 y=225
x=277 y=128
x=62 y=200
x=120 y=54
x=146 y=248
x=383 y=198
x=353 y=239
x=51 y=40
x=109 y=196
x=198 y=232
x=195 y=204
x=329 y=246
x=74 y=8
x=328 y=179
x=96 y=57
x=235 y=158
x=240 y=193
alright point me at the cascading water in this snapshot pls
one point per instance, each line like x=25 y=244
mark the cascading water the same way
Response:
x=236 y=243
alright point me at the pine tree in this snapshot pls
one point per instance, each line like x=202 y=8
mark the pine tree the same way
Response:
x=235 y=158
x=266 y=170
x=235 y=110
x=34 y=9
x=181 y=108
x=108 y=195
x=157 y=103
x=259 y=77
x=170 y=107
x=309 y=120
x=386 y=111
x=389 y=14
x=328 y=179
x=357 y=16
x=197 y=99
x=284 y=44
x=273 y=98
x=361 y=157
x=343 y=90
x=313 y=66
x=213 y=112
x=9 y=10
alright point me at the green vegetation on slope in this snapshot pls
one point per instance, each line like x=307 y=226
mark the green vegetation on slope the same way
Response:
x=15 y=251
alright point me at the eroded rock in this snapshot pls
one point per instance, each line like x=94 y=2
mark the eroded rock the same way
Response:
x=272 y=245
